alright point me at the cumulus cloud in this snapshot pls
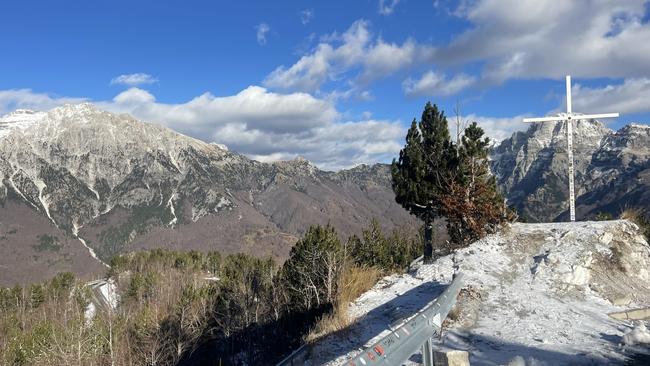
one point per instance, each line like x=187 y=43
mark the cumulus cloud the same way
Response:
x=261 y=124
x=306 y=16
x=134 y=79
x=631 y=96
x=547 y=38
x=506 y=39
x=262 y=29
x=386 y=7
x=336 y=55
x=433 y=83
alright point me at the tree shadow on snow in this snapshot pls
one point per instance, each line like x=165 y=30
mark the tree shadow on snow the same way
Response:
x=368 y=326
x=487 y=350
x=483 y=350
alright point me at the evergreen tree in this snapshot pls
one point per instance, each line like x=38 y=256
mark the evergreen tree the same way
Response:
x=310 y=275
x=424 y=170
x=473 y=205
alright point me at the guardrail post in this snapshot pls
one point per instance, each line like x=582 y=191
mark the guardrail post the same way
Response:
x=427 y=353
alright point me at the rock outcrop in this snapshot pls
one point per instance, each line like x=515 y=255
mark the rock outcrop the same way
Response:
x=611 y=169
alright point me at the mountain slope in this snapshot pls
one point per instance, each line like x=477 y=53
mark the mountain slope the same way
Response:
x=611 y=169
x=542 y=292
x=118 y=184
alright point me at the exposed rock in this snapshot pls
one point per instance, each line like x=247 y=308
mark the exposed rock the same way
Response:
x=612 y=169
x=120 y=184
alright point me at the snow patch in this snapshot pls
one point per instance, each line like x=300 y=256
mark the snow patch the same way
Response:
x=20 y=119
x=13 y=185
x=91 y=251
x=174 y=162
x=638 y=335
x=542 y=296
x=221 y=146
x=41 y=186
x=92 y=189
x=170 y=205
x=104 y=296
x=223 y=202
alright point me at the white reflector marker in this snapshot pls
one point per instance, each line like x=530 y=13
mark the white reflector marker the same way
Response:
x=437 y=321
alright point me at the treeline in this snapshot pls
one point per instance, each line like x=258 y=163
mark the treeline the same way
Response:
x=198 y=308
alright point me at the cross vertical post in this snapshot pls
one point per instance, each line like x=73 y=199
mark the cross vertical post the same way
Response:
x=568 y=118
x=569 y=141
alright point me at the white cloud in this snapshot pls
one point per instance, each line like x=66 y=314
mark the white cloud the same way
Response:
x=262 y=29
x=386 y=7
x=496 y=128
x=631 y=96
x=433 y=83
x=347 y=94
x=386 y=58
x=548 y=39
x=306 y=16
x=261 y=124
x=354 y=50
x=134 y=96
x=134 y=79
x=13 y=99
x=252 y=109
x=508 y=39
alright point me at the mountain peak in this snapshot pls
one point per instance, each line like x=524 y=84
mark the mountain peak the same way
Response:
x=75 y=108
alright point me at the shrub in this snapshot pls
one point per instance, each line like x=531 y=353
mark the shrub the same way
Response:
x=310 y=275
x=389 y=253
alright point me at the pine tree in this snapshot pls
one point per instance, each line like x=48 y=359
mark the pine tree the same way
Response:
x=310 y=275
x=423 y=172
x=473 y=205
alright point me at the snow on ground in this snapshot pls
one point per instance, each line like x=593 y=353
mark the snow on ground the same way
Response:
x=535 y=293
x=91 y=251
x=104 y=296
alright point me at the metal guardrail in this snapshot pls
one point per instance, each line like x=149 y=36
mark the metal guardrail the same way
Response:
x=297 y=357
x=415 y=333
x=403 y=341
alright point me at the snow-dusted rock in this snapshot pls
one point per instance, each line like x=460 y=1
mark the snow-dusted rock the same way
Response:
x=611 y=169
x=542 y=292
x=638 y=335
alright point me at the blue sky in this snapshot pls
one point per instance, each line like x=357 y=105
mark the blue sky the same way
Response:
x=336 y=81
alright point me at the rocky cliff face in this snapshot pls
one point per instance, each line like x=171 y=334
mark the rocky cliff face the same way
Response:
x=611 y=169
x=101 y=184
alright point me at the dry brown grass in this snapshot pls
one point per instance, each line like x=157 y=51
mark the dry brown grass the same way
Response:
x=354 y=282
x=632 y=214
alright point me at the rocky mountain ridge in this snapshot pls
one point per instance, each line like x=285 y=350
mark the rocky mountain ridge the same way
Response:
x=612 y=169
x=78 y=185
x=78 y=176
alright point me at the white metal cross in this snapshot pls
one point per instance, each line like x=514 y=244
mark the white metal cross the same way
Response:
x=569 y=117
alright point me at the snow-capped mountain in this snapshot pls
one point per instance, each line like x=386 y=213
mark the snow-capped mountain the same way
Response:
x=612 y=169
x=78 y=182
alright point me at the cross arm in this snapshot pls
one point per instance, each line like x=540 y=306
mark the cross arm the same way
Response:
x=545 y=119
x=595 y=116
x=573 y=116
